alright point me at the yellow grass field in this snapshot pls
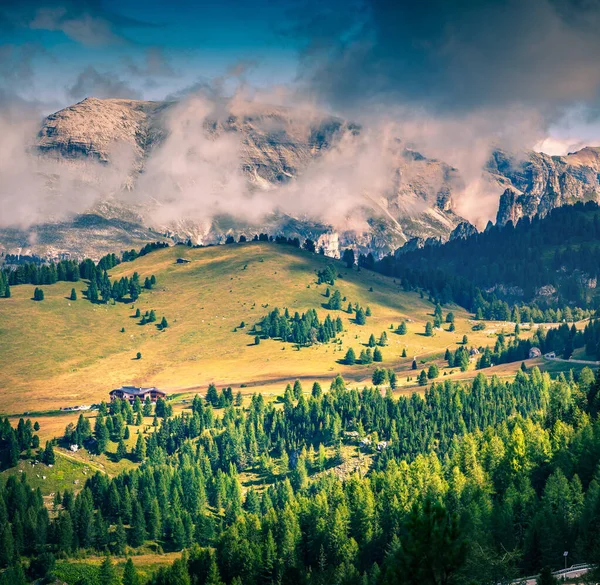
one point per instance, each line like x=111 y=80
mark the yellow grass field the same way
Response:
x=59 y=353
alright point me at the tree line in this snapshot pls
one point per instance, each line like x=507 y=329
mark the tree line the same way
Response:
x=539 y=266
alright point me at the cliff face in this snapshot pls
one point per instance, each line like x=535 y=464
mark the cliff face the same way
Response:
x=537 y=183
x=276 y=148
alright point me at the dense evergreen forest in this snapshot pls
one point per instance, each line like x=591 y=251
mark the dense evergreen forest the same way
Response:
x=540 y=265
x=469 y=484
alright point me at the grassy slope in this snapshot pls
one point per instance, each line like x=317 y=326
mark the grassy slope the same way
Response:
x=58 y=353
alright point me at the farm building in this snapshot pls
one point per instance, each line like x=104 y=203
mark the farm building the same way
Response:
x=132 y=392
x=534 y=352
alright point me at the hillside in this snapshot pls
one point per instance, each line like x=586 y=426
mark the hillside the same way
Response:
x=59 y=353
x=551 y=261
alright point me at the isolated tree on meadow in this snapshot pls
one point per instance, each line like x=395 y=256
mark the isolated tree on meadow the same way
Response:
x=433 y=372
x=428 y=329
x=350 y=358
x=360 y=317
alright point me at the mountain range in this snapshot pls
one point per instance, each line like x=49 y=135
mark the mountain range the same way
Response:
x=257 y=164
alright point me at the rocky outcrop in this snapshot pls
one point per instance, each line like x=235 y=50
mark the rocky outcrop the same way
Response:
x=277 y=147
x=463 y=230
x=536 y=182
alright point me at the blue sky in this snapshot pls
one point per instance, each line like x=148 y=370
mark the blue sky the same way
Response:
x=444 y=59
x=154 y=48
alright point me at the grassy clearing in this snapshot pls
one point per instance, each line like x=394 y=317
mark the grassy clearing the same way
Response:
x=59 y=353
x=87 y=568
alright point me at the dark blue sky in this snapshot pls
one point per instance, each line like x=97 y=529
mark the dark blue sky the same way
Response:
x=55 y=51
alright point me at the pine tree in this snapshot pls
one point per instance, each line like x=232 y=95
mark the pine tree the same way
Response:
x=163 y=323
x=465 y=340
x=120 y=538
x=147 y=409
x=371 y=342
x=121 y=450
x=423 y=378
x=350 y=358
x=130 y=574
x=377 y=355
x=107 y=574
x=137 y=535
x=7 y=546
x=140 y=448
x=414 y=364
x=383 y=339
x=297 y=389
x=360 y=318
x=546 y=577
x=433 y=372
x=48 y=456
x=379 y=376
x=403 y=352
x=348 y=258
x=428 y=329
x=73 y=296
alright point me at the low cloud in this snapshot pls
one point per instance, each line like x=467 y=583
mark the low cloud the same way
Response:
x=91 y=82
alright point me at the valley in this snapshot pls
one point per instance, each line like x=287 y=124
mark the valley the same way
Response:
x=82 y=353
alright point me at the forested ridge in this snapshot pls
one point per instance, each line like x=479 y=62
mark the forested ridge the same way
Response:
x=475 y=483
x=511 y=264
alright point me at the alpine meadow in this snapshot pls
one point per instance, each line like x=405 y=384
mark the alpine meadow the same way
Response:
x=299 y=293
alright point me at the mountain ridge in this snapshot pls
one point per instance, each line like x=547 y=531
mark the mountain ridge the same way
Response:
x=282 y=153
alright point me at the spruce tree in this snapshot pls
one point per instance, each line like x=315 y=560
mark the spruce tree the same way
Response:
x=107 y=574
x=360 y=317
x=402 y=328
x=130 y=574
x=163 y=323
x=140 y=448
x=297 y=389
x=73 y=296
x=377 y=355
x=120 y=538
x=350 y=358
x=48 y=456
x=428 y=329
x=371 y=342
x=137 y=534
x=121 y=450
x=7 y=546
x=433 y=372
x=423 y=378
